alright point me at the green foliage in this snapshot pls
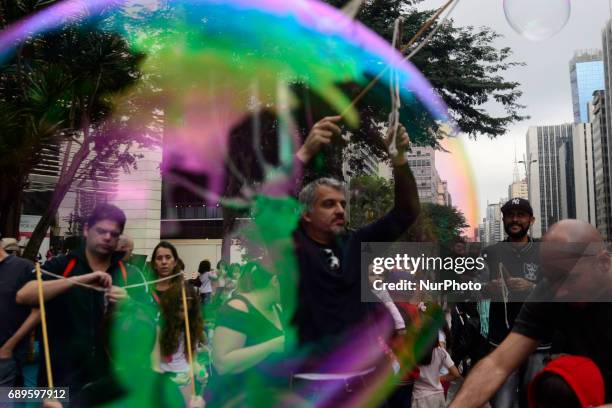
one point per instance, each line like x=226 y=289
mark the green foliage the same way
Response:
x=62 y=87
x=461 y=63
x=447 y=222
x=372 y=197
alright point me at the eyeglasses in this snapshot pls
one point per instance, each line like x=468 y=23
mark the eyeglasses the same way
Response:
x=103 y=231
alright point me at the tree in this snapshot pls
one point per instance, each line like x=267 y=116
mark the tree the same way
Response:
x=448 y=222
x=371 y=197
x=61 y=88
x=461 y=63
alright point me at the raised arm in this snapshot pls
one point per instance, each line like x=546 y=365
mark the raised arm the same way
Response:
x=406 y=207
x=491 y=372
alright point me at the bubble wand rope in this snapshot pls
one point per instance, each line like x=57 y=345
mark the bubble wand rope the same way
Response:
x=404 y=48
x=99 y=289
x=188 y=341
x=43 y=321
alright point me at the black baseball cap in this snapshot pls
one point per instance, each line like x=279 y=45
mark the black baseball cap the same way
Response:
x=517 y=203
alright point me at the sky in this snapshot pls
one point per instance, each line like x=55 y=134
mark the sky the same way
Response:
x=544 y=81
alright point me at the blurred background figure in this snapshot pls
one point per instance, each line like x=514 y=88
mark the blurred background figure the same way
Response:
x=205 y=282
x=11 y=246
x=248 y=343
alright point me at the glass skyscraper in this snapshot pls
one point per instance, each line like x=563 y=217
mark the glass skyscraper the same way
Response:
x=587 y=76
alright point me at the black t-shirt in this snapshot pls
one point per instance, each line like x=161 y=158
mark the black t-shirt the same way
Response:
x=322 y=299
x=255 y=386
x=77 y=320
x=586 y=329
x=518 y=261
x=13 y=270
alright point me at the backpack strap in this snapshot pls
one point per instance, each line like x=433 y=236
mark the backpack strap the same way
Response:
x=70 y=267
x=123 y=272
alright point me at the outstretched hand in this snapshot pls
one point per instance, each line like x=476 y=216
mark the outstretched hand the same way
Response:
x=402 y=144
x=321 y=134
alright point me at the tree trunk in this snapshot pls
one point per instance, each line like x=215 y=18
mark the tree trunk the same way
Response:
x=45 y=221
x=11 y=193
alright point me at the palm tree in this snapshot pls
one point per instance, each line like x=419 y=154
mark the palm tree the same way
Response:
x=60 y=88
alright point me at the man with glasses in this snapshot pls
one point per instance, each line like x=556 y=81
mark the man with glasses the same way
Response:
x=329 y=311
x=76 y=315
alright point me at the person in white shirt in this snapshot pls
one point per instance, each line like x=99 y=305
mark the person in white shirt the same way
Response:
x=428 y=391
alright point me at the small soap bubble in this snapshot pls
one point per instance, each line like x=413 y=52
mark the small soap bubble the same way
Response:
x=537 y=20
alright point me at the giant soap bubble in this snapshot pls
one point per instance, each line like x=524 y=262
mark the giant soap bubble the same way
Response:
x=537 y=20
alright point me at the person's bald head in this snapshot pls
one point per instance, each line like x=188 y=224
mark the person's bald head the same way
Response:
x=575 y=260
x=573 y=231
x=126 y=244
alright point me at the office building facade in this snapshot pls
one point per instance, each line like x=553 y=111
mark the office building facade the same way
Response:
x=544 y=181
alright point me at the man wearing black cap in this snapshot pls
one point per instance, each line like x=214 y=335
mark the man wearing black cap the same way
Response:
x=514 y=269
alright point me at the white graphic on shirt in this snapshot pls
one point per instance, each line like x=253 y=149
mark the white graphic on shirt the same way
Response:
x=530 y=270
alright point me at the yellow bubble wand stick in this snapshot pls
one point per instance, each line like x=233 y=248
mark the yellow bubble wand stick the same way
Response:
x=43 y=321
x=188 y=341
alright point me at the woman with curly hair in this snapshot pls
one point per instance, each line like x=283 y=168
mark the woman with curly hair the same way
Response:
x=172 y=337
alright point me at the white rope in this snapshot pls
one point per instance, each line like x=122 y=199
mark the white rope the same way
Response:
x=504 y=290
x=99 y=289
x=395 y=93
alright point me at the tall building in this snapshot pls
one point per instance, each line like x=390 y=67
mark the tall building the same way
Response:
x=543 y=143
x=584 y=186
x=586 y=76
x=601 y=164
x=493 y=224
x=567 y=190
x=422 y=162
x=481 y=231
x=518 y=188
x=444 y=197
x=432 y=189
x=606 y=41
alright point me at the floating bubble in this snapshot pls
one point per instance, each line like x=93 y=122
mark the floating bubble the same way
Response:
x=537 y=20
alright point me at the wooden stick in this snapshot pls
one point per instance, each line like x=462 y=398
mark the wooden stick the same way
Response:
x=419 y=33
x=43 y=320
x=188 y=341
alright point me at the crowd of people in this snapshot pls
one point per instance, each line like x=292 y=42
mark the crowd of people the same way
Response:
x=125 y=334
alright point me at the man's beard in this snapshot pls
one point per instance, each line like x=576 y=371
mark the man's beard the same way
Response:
x=516 y=235
x=338 y=229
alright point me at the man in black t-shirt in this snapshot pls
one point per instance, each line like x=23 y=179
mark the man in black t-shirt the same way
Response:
x=514 y=268
x=16 y=321
x=76 y=315
x=329 y=311
x=585 y=325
